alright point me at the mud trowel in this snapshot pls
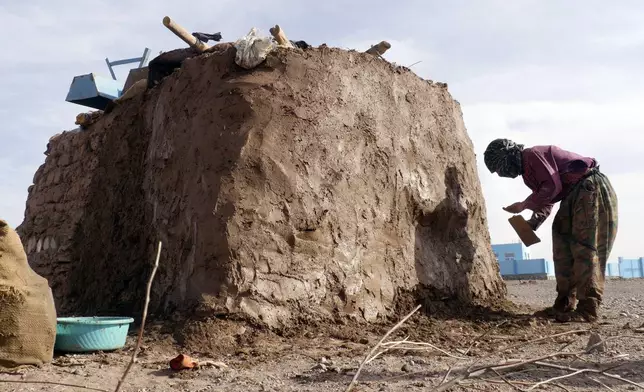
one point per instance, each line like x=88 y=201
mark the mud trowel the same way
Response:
x=523 y=229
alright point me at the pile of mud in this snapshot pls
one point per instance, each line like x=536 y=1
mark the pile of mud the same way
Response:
x=324 y=183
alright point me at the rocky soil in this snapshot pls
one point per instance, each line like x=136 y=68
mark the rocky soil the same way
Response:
x=325 y=359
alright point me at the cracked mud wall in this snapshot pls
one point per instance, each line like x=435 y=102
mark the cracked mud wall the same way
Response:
x=324 y=183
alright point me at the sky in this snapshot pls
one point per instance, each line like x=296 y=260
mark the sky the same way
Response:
x=535 y=71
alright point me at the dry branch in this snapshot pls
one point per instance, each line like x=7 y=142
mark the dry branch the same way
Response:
x=600 y=383
x=477 y=373
x=145 y=315
x=602 y=372
x=377 y=346
x=481 y=336
x=406 y=345
x=52 y=383
x=390 y=347
x=561 y=386
x=550 y=380
x=449 y=370
x=579 y=331
x=492 y=381
x=473 y=373
x=505 y=380
x=447 y=385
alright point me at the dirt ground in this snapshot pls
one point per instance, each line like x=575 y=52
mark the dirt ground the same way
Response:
x=315 y=359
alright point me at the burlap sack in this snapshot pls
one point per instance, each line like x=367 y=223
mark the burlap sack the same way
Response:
x=27 y=312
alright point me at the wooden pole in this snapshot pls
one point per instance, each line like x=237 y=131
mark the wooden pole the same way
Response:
x=184 y=35
x=379 y=49
x=139 y=340
x=280 y=37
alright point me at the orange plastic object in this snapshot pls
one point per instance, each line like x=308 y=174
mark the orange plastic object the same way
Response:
x=182 y=362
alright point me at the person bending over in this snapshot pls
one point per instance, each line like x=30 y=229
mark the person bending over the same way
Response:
x=584 y=228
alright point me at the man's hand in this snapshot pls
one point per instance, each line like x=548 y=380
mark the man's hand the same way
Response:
x=532 y=224
x=515 y=208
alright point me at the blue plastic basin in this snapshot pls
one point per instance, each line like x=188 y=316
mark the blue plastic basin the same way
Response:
x=83 y=334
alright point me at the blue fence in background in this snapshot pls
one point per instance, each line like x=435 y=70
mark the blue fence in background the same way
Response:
x=514 y=259
x=612 y=269
x=631 y=268
x=546 y=267
x=527 y=267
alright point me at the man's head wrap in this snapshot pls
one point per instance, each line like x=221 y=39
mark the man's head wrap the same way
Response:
x=504 y=157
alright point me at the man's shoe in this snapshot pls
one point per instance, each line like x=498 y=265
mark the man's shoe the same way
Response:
x=588 y=309
x=562 y=305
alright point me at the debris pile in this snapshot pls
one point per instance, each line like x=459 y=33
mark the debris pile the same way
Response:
x=320 y=183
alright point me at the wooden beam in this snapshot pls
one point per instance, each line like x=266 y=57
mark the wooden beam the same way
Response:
x=280 y=37
x=184 y=35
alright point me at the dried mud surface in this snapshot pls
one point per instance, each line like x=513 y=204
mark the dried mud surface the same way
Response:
x=325 y=359
x=324 y=183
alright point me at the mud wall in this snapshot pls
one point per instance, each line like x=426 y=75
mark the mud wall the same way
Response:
x=324 y=183
x=56 y=205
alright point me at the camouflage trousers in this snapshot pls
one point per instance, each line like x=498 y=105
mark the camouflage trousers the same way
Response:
x=583 y=233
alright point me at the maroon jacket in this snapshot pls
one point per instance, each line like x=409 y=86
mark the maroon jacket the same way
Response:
x=550 y=172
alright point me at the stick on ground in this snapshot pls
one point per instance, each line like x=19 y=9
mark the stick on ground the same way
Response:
x=523 y=344
x=481 y=336
x=52 y=383
x=375 y=348
x=600 y=383
x=145 y=315
x=595 y=371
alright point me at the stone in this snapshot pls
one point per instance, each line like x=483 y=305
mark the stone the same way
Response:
x=57 y=176
x=321 y=367
x=38 y=174
x=64 y=160
x=31 y=244
x=594 y=345
x=52 y=243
